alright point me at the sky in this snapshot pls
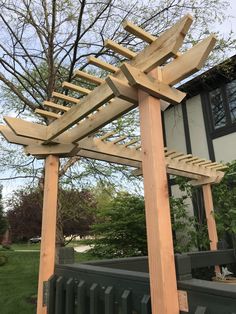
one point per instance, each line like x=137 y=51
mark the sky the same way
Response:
x=229 y=24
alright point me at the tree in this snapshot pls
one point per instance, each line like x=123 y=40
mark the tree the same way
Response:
x=42 y=42
x=3 y=221
x=121 y=229
x=225 y=205
x=25 y=213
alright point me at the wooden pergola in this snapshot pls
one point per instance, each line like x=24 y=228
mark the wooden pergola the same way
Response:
x=145 y=81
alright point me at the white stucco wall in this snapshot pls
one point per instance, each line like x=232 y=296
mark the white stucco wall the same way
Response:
x=197 y=128
x=225 y=148
x=174 y=128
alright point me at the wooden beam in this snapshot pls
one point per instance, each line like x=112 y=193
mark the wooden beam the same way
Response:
x=11 y=137
x=88 y=77
x=47 y=114
x=110 y=44
x=53 y=105
x=61 y=150
x=152 y=86
x=164 y=47
x=163 y=286
x=76 y=88
x=48 y=235
x=122 y=90
x=189 y=62
x=155 y=54
x=138 y=32
x=65 y=97
x=108 y=158
x=102 y=64
x=211 y=223
x=87 y=105
x=27 y=129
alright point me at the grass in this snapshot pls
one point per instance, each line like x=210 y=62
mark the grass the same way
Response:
x=18 y=279
x=18 y=282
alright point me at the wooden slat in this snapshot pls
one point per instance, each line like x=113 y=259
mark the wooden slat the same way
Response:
x=65 y=97
x=87 y=105
x=88 y=77
x=48 y=235
x=184 y=157
x=190 y=160
x=119 y=139
x=198 y=161
x=126 y=302
x=70 y=297
x=109 y=300
x=204 y=163
x=107 y=135
x=52 y=294
x=138 y=32
x=76 y=88
x=110 y=44
x=152 y=86
x=146 y=305
x=53 y=105
x=189 y=62
x=102 y=64
x=47 y=114
x=132 y=142
x=60 y=296
x=81 y=298
x=163 y=286
x=94 y=294
x=155 y=54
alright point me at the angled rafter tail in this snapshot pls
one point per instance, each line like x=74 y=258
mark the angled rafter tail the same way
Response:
x=189 y=62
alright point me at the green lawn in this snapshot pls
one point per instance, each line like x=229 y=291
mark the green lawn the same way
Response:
x=18 y=279
x=18 y=282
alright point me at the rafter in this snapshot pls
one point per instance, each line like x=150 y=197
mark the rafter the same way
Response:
x=88 y=77
x=76 y=88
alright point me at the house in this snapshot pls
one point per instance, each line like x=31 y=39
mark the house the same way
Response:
x=205 y=124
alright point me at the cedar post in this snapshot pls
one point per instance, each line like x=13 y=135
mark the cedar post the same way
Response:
x=163 y=284
x=209 y=210
x=48 y=234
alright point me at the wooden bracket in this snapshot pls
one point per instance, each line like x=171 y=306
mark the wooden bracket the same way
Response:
x=152 y=86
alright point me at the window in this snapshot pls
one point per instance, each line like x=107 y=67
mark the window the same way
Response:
x=223 y=108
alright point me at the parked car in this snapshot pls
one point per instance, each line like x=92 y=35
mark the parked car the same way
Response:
x=35 y=240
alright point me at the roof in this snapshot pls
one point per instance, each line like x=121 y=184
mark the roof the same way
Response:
x=221 y=73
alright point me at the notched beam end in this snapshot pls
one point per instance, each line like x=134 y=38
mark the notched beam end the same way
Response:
x=122 y=90
x=152 y=86
x=62 y=150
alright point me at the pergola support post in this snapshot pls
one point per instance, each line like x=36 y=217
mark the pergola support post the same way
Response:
x=211 y=223
x=163 y=284
x=209 y=210
x=48 y=234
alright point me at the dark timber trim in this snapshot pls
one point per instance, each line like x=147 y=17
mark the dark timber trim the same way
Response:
x=186 y=128
x=205 y=110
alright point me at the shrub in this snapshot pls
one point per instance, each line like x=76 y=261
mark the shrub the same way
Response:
x=3 y=259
